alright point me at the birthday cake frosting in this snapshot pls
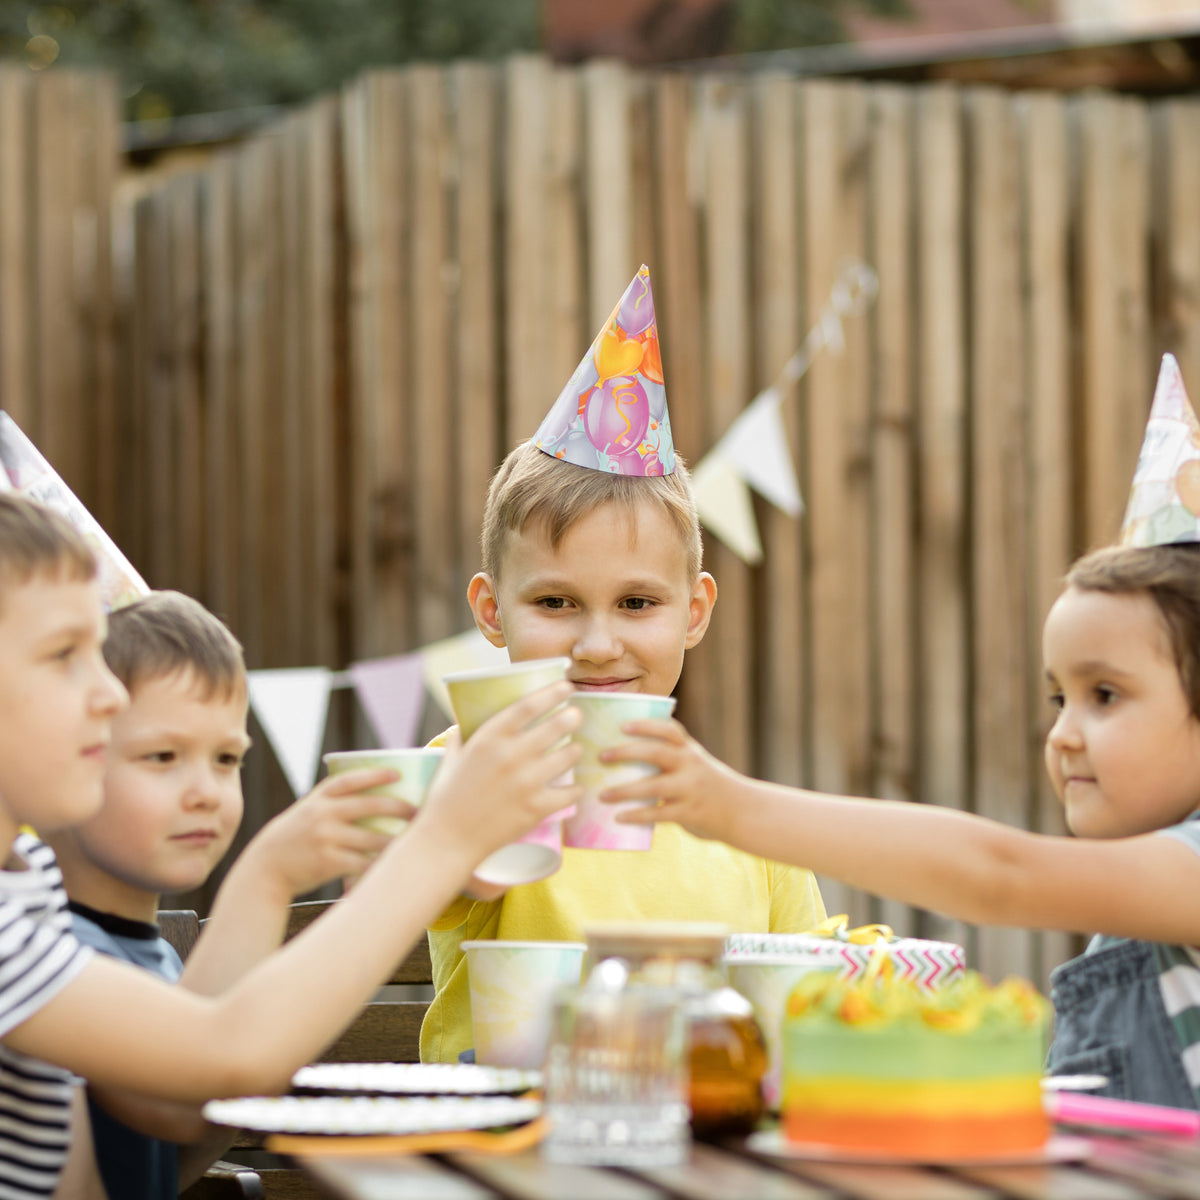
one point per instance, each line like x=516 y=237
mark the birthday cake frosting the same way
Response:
x=887 y=1067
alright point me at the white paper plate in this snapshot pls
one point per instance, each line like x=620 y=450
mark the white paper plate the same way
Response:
x=341 y=1115
x=416 y=1079
x=1059 y=1148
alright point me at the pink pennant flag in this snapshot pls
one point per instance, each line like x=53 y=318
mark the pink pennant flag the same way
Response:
x=392 y=693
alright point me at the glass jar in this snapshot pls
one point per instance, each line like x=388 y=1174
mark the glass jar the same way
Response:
x=726 y=1050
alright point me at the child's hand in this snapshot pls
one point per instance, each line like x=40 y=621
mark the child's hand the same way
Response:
x=693 y=788
x=317 y=839
x=499 y=785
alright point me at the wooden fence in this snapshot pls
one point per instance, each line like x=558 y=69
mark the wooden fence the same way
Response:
x=324 y=340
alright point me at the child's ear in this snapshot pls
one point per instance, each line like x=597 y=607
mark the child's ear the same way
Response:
x=700 y=606
x=485 y=607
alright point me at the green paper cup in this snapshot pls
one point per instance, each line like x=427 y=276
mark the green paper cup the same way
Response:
x=513 y=985
x=477 y=695
x=766 y=980
x=594 y=825
x=416 y=765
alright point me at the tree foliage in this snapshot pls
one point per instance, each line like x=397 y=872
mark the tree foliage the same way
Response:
x=190 y=56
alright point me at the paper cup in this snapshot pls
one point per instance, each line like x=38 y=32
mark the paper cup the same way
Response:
x=477 y=695
x=594 y=825
x=513 y=985
x=766 y=980
x=416 y=766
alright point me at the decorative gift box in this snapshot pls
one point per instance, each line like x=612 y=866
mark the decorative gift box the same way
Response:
x=865 y=950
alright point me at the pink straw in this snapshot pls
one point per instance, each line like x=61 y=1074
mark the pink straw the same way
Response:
x=1075 y=1108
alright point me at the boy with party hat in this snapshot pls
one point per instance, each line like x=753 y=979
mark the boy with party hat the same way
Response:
x=591 y=551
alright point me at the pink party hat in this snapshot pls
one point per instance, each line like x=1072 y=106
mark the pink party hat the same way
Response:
x=612 y=415
x=1164 y=501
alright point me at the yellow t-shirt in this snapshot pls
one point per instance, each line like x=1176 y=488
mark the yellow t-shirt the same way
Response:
x=681 y=878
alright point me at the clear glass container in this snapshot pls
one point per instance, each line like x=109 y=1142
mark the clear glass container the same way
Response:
x=727 y=1053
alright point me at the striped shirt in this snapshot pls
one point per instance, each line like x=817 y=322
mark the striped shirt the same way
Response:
x=38 y=957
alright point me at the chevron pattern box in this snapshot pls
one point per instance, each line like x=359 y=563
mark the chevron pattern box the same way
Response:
x=856 y=952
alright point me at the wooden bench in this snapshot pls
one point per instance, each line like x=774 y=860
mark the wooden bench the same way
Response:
x=387 y=1029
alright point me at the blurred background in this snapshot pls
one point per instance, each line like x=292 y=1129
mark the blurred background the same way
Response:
x=280 y=284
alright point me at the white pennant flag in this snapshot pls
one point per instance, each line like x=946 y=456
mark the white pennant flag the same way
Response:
x=463 y=652
x=724 y=505
x=756 y=445
x=291 y=706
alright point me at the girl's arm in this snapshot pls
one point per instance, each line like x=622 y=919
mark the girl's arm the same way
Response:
x=163 y=1040
x=950 y=862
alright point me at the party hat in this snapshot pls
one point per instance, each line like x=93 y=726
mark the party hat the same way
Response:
x=1164 y=501
x=612 y=415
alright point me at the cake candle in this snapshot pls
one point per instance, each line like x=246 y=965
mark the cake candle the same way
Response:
x=1074 y=1108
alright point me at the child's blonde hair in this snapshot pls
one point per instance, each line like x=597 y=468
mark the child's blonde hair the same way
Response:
x=168 y=632
x=35 y=540
x=1170 y=576
x=531 y=484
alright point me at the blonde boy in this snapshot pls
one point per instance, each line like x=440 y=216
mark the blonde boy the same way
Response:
x=603 y=569
x=172 y=805
x=58 y=700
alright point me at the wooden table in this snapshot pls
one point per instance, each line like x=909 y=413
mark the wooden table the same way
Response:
x=1118 y=1167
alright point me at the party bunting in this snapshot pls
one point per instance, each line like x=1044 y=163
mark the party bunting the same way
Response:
x=464 y=652
x=724 y=505
x=392 y=693
x=756 y=446
x=292 y=705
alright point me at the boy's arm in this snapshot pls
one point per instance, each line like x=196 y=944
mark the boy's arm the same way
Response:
x=164 y=1040
x=931 y=857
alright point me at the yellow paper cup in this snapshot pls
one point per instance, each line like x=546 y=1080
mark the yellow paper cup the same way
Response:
x=513 y=985
x=594 y=825
x=417 y=766
x=766 y=980
x=477 y=695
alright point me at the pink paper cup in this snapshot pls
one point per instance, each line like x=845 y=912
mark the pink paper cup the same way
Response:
x=594 y=825
x=512 y=987
x=477 y=695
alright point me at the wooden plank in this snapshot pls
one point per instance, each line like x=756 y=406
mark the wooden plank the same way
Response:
x=322 y=386
x=17 y=353
x=1116 y=378
x=292 y=591
x=222 y=486
x=711 y=1174
x=889 y=1182
x=411 y=1178
x=184 y=518
x=781 y=659
x=940 y=388
x=528 y=99
x=1044 y=161
x=566 y=327
x=999 y=513
x=434 y=481
x=478 y=352
x=892 y=594
x=528 y=1176
x=837 y=438
x=675 y=277
x=608 y=184
x=727 y=363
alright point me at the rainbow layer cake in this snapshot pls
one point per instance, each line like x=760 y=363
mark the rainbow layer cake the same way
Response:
x=887 y=1067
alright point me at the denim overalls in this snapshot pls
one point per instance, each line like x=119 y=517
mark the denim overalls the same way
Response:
x=1110 y=1020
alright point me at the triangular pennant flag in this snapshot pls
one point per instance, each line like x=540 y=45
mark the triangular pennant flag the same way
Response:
x=392 y=693
x=756 y=445
x=24 y=468
x=723 y=502
x=612 y=415
x=463 y=652
x=291 y=706
x=1164 y=500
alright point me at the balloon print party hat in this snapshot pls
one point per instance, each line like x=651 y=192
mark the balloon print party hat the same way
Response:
x=1164 y=501
x=612 y=415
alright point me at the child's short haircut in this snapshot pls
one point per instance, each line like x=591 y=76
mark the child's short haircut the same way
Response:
x=1170 y=576
x=530 y=483
x=35 y=540
x=167 y=632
